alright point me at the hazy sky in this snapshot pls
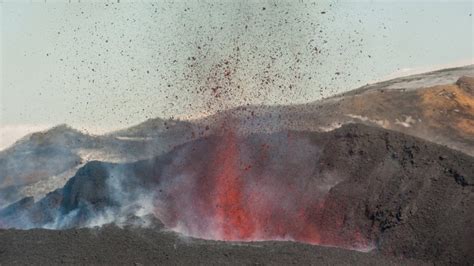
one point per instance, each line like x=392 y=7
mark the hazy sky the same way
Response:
x=103 y=66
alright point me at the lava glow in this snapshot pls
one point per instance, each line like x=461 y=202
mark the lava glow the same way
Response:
x=236 y=188
x=233 y=216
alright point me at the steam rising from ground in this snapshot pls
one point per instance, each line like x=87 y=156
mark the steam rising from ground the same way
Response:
x=251 y=189
x=124 y=205
x=225 y=187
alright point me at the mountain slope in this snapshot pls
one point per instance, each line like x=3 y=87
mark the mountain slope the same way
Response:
x=436 y=106
x=431 y=106
x=354 y=187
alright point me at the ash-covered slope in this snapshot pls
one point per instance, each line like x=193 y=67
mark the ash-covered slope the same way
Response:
x=156 y=128
x=436 y=106
x=39 y=156
x=431 y=106
x=44 y=161
x=142 y=246
x=355 y=187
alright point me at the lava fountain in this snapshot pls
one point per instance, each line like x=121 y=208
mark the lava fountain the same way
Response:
x=253 y=188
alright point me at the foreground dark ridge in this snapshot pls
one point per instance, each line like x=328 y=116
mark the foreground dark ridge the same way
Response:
x=114 y=246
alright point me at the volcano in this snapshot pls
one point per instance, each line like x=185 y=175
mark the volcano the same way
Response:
x=356 y=187
x=383 y=174
x=436 y=106
x=241 y=193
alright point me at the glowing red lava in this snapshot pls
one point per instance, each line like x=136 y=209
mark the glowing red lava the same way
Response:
x=236 y=188
x=233 y=217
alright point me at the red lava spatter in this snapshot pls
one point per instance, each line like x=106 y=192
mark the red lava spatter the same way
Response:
x=233 y=201
x=234 y=218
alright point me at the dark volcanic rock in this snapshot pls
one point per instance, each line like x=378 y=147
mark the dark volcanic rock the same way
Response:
x=432 y=106
x=415 y=202
x=466 y=83
x=111 y=245
x=409 y=197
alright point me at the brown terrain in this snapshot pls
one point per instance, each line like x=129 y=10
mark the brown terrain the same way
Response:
x=441 y=113
x=380 y=175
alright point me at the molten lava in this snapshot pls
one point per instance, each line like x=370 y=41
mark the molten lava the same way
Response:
x=234 y=218
x=252 y=188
